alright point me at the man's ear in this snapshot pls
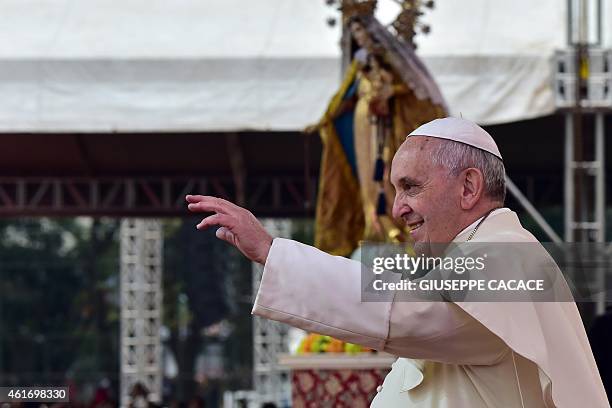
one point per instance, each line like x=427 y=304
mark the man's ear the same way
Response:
x=472 y=188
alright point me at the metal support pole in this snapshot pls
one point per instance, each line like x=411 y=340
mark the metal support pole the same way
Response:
x=569 y=178
x=514 y=190
x=141 y=305
x=270 y=338
x=600 y=206
x=600 y=184
x=582 y=78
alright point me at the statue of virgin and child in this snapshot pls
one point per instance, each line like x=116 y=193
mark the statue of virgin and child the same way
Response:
x=386 y=93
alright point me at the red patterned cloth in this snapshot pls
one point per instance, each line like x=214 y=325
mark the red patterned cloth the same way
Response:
x=335 y=388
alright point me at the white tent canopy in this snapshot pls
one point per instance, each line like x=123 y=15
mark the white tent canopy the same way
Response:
x=210 y=65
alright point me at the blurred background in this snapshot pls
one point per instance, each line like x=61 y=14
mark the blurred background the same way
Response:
x=111 y=112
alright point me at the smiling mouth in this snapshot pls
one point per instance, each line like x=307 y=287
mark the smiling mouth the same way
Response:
x=415 y=226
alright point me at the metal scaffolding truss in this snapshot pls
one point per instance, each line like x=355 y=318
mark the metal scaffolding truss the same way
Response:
x=138 y=196
x=270 y=338
x=141 y=306
x=583 y=89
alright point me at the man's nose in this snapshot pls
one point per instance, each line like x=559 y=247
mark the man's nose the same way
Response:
x=399 y=207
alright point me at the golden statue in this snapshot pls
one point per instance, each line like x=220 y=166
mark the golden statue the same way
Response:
x=386 y=93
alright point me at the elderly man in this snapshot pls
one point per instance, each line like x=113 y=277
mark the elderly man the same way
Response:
x=449 y=181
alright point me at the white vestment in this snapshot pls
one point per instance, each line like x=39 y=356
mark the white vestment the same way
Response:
x=464 y=354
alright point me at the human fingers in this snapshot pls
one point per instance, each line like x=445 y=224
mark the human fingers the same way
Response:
x=224 y=205
x=216 y=219
x=226 y=235
x=196 y=198
x=210 y=204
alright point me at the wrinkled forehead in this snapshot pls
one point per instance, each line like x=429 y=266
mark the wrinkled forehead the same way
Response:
x=413 y=156
x=417 y=146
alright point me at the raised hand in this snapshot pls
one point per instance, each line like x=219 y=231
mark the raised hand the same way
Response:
x=239 y=226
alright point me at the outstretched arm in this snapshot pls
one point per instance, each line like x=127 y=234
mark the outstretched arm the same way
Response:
x=307 y=288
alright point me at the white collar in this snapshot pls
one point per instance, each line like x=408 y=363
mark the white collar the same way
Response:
x=473 y=225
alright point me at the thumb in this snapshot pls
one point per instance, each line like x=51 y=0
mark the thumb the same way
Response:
x=226 y=235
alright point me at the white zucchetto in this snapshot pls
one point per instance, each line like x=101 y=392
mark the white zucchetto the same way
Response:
x=459 y=130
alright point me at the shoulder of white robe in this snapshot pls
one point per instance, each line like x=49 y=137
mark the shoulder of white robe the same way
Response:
x=551 y=334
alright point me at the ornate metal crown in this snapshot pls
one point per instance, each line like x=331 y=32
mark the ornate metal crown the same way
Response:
x=406 y=24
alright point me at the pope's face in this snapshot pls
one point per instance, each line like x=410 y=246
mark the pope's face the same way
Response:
x=427 y=198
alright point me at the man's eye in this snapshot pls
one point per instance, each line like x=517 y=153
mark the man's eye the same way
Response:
x=409 y=189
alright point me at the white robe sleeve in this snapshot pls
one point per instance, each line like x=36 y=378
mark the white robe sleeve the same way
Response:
x=317 y=292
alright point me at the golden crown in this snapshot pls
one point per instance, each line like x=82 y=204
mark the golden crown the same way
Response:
x=357 y=8
x=405 y=25
x=407 y=21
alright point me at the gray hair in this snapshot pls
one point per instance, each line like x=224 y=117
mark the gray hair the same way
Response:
x=456 y=157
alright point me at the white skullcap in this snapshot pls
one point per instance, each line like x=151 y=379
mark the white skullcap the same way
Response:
x=459 y=130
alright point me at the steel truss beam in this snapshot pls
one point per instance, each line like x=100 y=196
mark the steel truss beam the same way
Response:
x=143 y=196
